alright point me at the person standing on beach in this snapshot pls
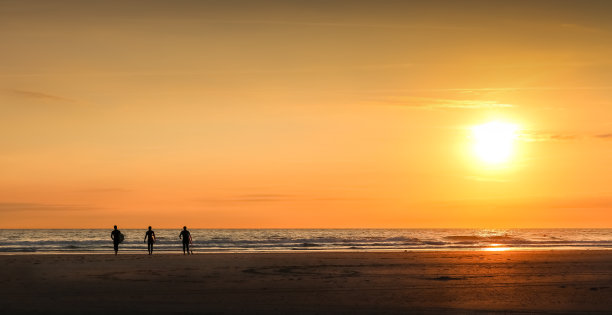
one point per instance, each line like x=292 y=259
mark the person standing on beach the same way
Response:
x=186 y=236
x=150 y=235
x=116 y=236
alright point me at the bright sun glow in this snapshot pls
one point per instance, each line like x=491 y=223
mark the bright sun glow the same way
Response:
x=494 y=141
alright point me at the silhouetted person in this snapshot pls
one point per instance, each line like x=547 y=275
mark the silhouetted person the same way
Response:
x=117 y=238
x=150 y=236
x=186 y=236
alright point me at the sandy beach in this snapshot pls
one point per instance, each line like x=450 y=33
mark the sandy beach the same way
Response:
x=312 y=282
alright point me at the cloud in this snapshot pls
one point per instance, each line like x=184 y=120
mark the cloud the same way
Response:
x=273 y=198
x=342 y=25
x=550 y=202
x=41 y=207
x=338 y=199
x=439 y=103
x=39 y=96
x=581 y=28
x=250 y=198
x=105 y=190
x=516 y=88
x=260 y=197
x=538 y=136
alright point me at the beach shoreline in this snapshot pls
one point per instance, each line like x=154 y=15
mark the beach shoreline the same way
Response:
x=307 y=251
x=573 y=281
x=298 y=240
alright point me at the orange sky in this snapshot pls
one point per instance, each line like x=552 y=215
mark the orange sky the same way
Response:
x=303 y=114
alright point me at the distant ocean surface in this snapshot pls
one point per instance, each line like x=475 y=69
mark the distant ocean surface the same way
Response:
x=268 y=240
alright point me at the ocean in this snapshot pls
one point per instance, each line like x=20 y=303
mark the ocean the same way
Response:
x=274 y=240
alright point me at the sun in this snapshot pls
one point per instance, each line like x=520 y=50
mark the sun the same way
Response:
x=494 y=141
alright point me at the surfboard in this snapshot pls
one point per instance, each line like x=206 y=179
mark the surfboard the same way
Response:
x=121 y=237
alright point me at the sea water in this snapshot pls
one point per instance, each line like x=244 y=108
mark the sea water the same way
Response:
x=270 y=240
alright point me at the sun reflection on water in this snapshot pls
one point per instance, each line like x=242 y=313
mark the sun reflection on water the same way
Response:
x=496 y=248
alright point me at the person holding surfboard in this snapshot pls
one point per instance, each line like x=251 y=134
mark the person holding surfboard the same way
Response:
x=117 y=238
x=150 y=235
x=186 y=236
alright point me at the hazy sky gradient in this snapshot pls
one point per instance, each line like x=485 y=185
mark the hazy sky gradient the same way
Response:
x=301 y=114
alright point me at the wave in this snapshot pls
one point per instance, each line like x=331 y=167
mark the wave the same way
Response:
x=498 y=239
x=310 y=245
x=279 y=240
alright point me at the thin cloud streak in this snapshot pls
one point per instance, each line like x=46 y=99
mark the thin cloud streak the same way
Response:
x=272 y=198
x=550 y=202
x=39 y=95
x=250 y=198
x=581 y=28
x=538 y=136
x=105 y=190
x=606 y=136
x=365 y=67
x=335 y=24
x=490 y=89
x=438 y=103
x=534 y=88
x=41 y=207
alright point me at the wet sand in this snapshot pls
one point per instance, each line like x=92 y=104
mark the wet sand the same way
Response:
x=313 y=282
